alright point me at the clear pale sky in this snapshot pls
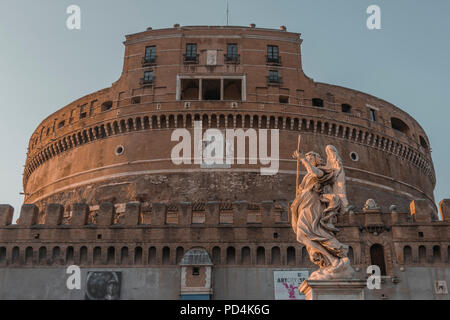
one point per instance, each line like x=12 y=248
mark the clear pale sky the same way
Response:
x=44 y=66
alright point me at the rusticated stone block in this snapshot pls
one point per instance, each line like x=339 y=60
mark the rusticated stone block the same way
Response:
x=159 y=213
x=54 y=214
x=6 y=215
x=185 y=213
x=266 y=212
x=421 y=211
x=105 y=214
x=28 y=215
x=132 y=211
x=212 y=212
x=80 y=214
x=444 y=207
x=240 y=212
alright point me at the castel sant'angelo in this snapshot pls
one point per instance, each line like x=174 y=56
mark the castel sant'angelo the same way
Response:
x=102 y=190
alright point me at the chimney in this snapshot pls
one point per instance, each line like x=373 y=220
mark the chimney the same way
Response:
x=252 y=25
x=176 y=25
x=149 y=29
x=283 y=28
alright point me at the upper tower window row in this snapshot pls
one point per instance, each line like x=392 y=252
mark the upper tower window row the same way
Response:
x=273 y=56
x=191 y=53
x=150 y=56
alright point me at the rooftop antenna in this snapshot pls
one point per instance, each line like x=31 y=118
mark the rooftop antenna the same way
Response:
x=228 y=11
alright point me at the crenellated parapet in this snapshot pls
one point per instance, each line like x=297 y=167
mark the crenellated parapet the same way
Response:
x=233 y=233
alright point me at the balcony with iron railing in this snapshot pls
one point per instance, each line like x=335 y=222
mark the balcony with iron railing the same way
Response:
x=146 y=82
x=190 y=59
x=275 y=61
x=232 y=58
x=148 y=61
x=276 y=81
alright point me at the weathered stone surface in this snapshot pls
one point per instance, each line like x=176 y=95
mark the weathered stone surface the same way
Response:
x=79 y=214
x=444 y=207
x=105 y=214
x=240 y=212
x=6 y=214
x=421 y=211
x=132 y=211
x=158 y=213
x=28 y=215
x=54 y=214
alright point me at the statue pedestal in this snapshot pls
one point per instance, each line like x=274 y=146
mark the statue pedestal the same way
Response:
x=351 y=289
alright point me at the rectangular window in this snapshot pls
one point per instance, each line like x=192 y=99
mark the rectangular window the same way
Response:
x=232 y=50
x=191 y=51
x=232 y=55
x=272 y=54
x=273 y=76
x=150 y=54
x=373 y=115
x=148 y=76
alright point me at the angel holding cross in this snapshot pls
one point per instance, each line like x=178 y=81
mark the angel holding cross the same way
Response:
x=319 y=198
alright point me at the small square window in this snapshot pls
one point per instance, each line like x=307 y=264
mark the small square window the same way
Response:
x=346 y=108
x=284 y=99
x=195 y=271
x=316 y=102
x=420 y=234
x=135 y=100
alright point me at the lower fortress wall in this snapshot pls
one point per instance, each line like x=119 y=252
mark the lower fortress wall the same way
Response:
x=228 y=283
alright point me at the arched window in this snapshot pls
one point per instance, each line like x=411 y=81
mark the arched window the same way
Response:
x=152 y=255
x=69 y=255
x=83 y=255
x=260 y=255
x=138 y=255
x=97 y=255
x=180 y=254
x=216 y=255
x=351 y=256
x=436 y=254
x=407 y=255
x=107 y=105
x=231 y=255
x=111 y=256
x=377 y=257
x=166 y=255
x=422 y=254
x=29 y=255
x=290 y=253
x=399 y=125
x=245 y=255
x=2 y=254
x=276 y=257
x=423 y=143
x=15 y=255
x=317 y=102
x=56 y=254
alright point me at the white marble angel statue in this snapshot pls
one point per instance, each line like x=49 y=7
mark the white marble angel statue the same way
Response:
x=320 y=197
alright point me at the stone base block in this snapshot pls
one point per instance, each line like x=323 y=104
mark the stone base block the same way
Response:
x=351 y=289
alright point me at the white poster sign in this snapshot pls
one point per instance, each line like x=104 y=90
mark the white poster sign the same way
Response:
x=286 y=284
x=211 y=57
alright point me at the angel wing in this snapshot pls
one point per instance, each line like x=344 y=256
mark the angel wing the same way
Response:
x=334 y=162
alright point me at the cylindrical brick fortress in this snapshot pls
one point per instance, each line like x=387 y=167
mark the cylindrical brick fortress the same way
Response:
x=115 y=144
